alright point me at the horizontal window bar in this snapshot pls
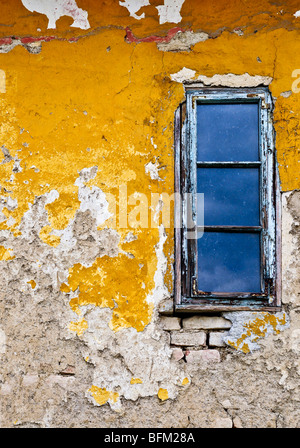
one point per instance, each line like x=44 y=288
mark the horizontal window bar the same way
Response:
x=229 y=164
x=229 y=228
x=229 y=295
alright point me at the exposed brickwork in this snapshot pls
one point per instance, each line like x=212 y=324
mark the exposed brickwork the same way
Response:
x=215 y=338
x=171 y=323
x=177 y=353
x=198 y=333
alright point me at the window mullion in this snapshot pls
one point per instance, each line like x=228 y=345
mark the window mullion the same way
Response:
x=228 y=164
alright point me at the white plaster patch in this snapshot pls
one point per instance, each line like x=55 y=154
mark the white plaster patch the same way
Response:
x=134 y=6
x=297 y=14
x=54 y=9
x=185 y=74
x=51 y=196
x=92 y=199
x=160 y=291
x=290 y=267
x=11 y=204
x=153 y=170
x=286 y=94
x=2 y=81
x=232 y=80
x=170 y=11
x=226 y=80
x=183 y=41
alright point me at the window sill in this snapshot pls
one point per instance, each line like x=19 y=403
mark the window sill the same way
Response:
x=169 y=308
x=207 y=308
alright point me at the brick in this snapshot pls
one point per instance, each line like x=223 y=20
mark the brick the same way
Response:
x=188 y=339
x=206 y=323
x=215 y=339
x=170 y=323
x=202 y=356
x=177 y=353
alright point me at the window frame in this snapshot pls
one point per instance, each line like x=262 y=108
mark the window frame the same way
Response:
x=187 y=296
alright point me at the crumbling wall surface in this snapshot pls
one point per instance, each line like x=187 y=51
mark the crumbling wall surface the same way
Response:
x=88 y=92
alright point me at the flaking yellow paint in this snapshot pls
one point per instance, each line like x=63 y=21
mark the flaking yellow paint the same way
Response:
x=136 y=381
x=32 y=283
x=78 y=327
x=45 y=235
x=256 y=329
x=5 y=254
x=163 y=394
x=102 y=396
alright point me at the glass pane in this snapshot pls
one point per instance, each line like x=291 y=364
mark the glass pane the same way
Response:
x=227 y=132
x=229 y=262
x=231 y=196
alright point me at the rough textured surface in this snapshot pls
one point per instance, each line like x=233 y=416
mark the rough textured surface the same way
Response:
x=86 y=133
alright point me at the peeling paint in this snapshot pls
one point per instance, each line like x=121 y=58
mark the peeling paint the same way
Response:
x=163 y=394
x=248 y=328
x=79 y=327
x=55 y=9
x=102 y=396
x=5 y=254
x=136 y=381
x=183 y=41
x=130 y=37
x=32 y=283
x=169 y=12
x=153 y=170
x=134 y=6
x=185 y=74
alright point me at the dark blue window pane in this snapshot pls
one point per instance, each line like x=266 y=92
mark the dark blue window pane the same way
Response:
x=231 y=196
x=229 y=262
x=227 y=132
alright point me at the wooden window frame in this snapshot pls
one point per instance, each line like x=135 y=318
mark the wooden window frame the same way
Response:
x=186 y=294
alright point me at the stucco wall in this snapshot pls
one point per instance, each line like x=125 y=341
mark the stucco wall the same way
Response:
x=88 y=93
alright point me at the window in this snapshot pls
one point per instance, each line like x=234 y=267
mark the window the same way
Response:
x=227 y=243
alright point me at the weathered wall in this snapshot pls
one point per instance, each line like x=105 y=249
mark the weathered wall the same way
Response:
x=87 y=101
